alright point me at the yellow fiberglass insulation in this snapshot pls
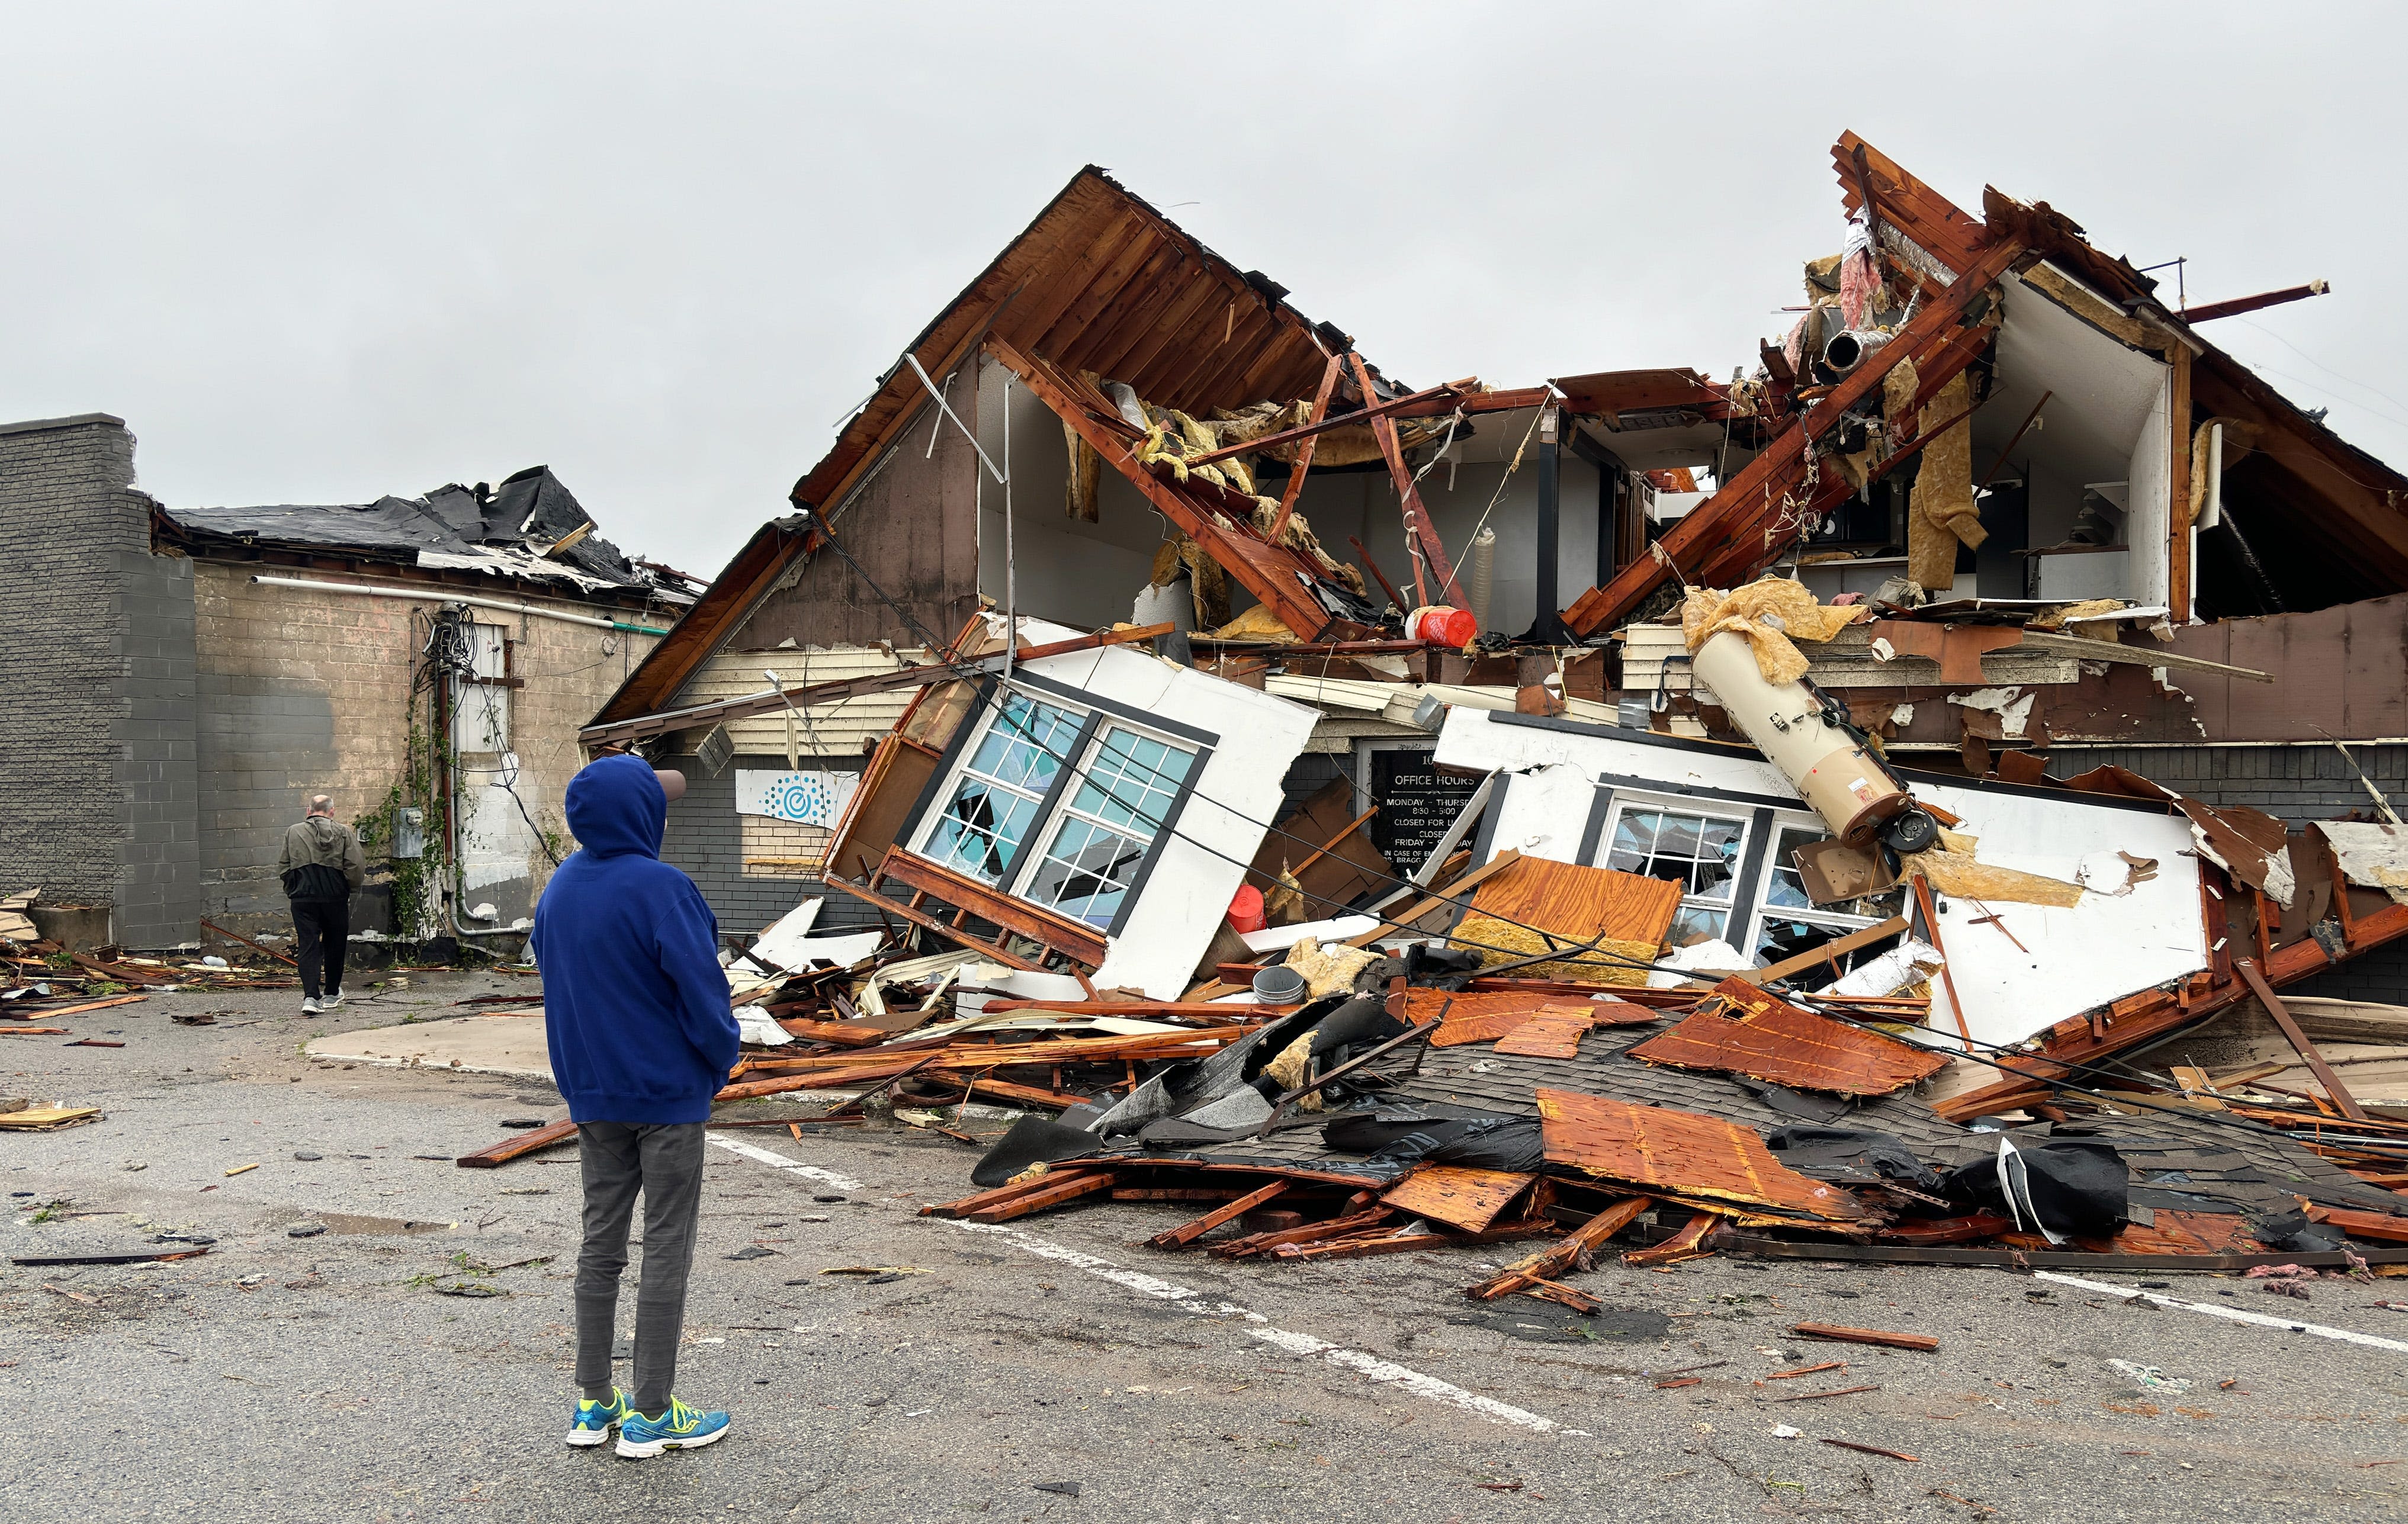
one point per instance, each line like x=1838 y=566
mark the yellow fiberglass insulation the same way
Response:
x=1941 y=513
x=1292 y=1068
x=1751 y=611
x=1328 y=970
x=1612 y=961
x=1958 y=873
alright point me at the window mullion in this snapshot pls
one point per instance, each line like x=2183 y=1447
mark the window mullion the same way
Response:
x=1040 y=827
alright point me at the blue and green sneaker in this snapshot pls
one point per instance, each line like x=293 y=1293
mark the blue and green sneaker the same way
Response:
x=681 y=1428
x=592 y=1423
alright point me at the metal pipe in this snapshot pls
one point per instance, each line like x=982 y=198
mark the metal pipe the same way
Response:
x=1848 y=349
x=1483 y=575
x=423 y=597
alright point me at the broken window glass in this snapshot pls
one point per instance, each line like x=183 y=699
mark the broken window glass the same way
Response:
x=1702 y=853
x=1128 y=782
x=1001 y=787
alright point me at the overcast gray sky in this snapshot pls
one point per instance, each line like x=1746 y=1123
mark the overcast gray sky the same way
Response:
x=317 y=253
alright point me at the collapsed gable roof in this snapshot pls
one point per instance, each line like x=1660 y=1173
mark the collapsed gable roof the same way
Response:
x=1099 y=281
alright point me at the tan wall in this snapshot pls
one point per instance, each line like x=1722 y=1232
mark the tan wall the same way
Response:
x=303 y=691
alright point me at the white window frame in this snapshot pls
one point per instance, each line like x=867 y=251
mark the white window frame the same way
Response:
x=1631 y=801
x=1055 y=806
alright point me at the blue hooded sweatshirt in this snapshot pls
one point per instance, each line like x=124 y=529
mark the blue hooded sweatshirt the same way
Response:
x=634 y=1003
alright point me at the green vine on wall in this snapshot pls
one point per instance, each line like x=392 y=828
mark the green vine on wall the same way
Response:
x=416 y=883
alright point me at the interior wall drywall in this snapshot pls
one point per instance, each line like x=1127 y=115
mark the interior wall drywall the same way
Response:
x=1079 y=573
x=2148 y=513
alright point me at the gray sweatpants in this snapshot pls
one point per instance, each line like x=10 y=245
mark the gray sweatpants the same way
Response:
x=664 y=1162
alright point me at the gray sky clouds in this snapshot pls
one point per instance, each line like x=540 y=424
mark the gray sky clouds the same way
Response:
x=316 y=253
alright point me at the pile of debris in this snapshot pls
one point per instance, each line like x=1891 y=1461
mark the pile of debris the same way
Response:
x=43 y=979
x=1516 y=1044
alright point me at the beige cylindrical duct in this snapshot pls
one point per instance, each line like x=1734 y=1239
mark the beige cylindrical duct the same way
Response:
x=1836 y=776
x=1483 y=575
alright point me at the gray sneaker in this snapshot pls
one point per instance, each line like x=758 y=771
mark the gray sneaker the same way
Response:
x=331 y=1001
x=310 y=1005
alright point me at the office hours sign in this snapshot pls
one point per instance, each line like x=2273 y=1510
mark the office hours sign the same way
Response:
x=1417 y=802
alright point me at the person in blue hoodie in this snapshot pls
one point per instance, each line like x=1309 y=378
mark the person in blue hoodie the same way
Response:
x=637 y=1015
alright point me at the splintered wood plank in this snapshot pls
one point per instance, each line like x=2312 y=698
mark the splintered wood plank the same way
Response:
x=1580 y=904
x=1484 y=1016
x=518 y=1146
x=1750 y=1032
x=1564 y=1253
x=1042 y=1199
x=1688 y=1244
x=1681 y=1153
x=1923 y=1342
x=1468 y=1199
x=1554 y=1032
x=1187 y=1232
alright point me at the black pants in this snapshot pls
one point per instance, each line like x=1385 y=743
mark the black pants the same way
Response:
x=663 y=1160
x=321 y=927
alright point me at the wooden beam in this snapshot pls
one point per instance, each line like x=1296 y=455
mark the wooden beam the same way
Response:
x=1187 y=1232
x=2248 y=968
x=1741 y=504
x=1441 y=899
x=1931 y=922
x=1295 y=473
x=1564 y=1253
x=518 y=1146
x=1225 y=544
x=1816 y=957
x=2210 y=312
x=1430 y=567
x=1321 y=422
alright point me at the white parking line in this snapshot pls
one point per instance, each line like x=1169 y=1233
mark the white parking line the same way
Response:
x=1370 y=1367
x=2232 y=1314
x=780 y=1161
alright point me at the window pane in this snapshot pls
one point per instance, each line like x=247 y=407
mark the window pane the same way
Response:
x=1086 y=871
x=1027 y=744
x=981 y=829
x=1131 y=780
x=1699 y=852
x=1695 y=923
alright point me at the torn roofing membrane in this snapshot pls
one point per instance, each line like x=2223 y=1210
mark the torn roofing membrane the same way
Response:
x=511 y=530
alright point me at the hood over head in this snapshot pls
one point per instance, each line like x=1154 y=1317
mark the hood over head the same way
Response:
x=616 y=806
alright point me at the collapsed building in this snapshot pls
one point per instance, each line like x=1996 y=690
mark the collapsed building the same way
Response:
x=426 y=661
x=1871 y=760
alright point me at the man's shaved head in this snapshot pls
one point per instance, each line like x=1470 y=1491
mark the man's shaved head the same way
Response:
x=322 y=804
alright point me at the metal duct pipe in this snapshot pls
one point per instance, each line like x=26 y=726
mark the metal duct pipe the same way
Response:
x=1798 y=733
x=427 y=595
x=1848 y=349
x=1483 y=575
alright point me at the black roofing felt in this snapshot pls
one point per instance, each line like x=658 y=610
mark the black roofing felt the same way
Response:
x=530 y=510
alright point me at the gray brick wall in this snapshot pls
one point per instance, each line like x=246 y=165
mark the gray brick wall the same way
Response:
x=96 y=704
x=2295 y=784
x=704 y=838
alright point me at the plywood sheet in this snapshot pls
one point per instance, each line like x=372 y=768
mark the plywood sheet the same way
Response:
x=1553 y=1032
x=1483 y=1017
x=1468 y=1199
x=1681 y=1153
x=1570 y=900
x=1744 y=1031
